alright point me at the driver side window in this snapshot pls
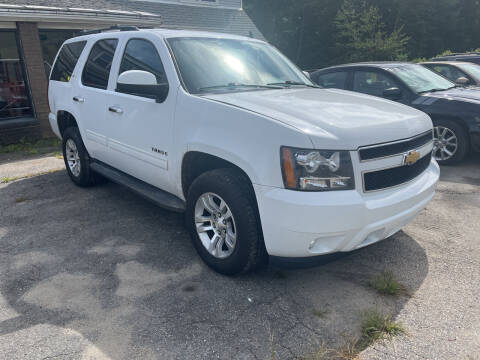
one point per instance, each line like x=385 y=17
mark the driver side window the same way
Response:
x=141 y=54
x=372 y=83
x=450 y=72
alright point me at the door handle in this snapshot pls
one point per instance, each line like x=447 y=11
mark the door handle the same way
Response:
x=115 y=109
x=78 y=99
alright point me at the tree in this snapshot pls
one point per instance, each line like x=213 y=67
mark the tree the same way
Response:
x=361 y=35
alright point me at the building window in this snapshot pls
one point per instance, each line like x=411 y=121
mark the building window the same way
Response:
x=14 y=98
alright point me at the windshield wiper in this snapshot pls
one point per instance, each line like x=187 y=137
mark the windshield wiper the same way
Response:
x=237 y=85
x=434 y=90
x=290 y=83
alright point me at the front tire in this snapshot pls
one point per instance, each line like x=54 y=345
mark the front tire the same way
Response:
x=223 y=223
x=450 y=142
x=76 y=158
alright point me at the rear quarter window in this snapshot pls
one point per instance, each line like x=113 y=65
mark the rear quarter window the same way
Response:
x=335 y=80
x=66 y=61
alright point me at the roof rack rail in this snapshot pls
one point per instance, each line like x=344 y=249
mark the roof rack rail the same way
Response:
x=460 y=54
x=111 y=28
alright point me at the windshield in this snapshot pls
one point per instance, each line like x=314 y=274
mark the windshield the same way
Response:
x=472 y=69
x=421 y=79
x=223 y=65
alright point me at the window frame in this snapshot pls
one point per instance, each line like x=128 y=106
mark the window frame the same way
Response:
x=124 y=45
x=111 y=67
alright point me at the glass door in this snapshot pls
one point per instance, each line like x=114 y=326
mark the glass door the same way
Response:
x=14 y=96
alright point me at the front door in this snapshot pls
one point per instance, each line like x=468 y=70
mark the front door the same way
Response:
x=140 y=129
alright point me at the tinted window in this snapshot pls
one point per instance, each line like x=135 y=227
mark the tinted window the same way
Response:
x=372 y=83
x=450 y=72
x=333 y=80
x=97 y=68
x=142 y=55
x=66 y=61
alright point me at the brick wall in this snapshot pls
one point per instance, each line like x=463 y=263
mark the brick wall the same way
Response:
x=36 y=77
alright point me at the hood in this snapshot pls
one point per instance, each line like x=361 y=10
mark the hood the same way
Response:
x=333 y=119
x=469 y=94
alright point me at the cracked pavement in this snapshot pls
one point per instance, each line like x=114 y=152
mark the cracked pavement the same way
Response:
x=100 y=273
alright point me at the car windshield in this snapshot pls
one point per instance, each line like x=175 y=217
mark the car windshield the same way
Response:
x=421 y=79
x=472 y=69
x=226 y=65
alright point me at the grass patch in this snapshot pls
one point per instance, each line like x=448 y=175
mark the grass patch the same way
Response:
x=320 y=313
x=58 y=155
x=37 y=147
x=376 y=326
x=386 y=284
x=7 y=179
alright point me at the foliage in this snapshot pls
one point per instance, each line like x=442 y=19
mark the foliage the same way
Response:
x=386 y=284
x=40 y=146
x=361 y=35
x=307 y=30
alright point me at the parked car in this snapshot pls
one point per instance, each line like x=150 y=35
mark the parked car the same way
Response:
x=455 y=111
x=463 y=57
x=461 y=73
x=227 y=130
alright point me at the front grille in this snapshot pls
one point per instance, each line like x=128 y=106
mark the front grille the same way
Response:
x=396 y=148
x=383 y=179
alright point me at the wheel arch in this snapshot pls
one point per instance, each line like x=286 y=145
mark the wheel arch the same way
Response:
x=65 y=120
x=195 y=163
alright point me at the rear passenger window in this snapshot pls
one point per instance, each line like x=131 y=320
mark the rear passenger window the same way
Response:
x=97 y=68
x=333 y=80
x=66 y=61
x=142 y=55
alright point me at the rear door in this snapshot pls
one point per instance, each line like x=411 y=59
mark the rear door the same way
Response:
x=140 y=130
x=62 y=78
x=89 y=96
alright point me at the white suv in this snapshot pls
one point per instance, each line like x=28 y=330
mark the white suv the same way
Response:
x=229 y=131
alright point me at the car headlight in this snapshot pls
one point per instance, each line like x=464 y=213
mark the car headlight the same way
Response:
x=317 y=170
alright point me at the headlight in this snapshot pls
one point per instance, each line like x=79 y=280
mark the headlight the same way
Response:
x=317 y=170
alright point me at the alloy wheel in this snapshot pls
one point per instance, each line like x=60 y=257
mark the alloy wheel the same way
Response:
x=73 y=158
x=215 y=225
x=445 y=143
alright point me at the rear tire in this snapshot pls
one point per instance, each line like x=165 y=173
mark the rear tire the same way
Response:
x=449 y=152
x=231 y=194
x=77 y=160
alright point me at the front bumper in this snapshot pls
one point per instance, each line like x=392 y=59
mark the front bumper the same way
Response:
x=305 y=224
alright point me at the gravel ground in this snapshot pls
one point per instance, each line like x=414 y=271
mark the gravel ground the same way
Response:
x=102 y=274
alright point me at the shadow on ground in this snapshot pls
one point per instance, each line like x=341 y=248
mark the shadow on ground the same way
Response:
x=101 y=273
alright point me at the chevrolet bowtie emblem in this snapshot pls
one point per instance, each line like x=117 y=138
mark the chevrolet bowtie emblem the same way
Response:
x=411 y=158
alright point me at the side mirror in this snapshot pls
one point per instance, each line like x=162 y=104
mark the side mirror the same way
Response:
x=393 y=93
x=142 y=83
x=462 y=80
